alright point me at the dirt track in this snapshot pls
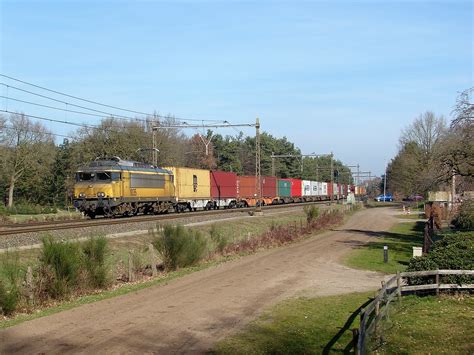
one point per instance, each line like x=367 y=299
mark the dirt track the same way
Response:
x=189 y=314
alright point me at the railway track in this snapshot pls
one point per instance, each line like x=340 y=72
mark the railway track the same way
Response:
x=12 y=229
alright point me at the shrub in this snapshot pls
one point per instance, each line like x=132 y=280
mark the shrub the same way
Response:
x=4 y=211
x=97 y=270
x=25 y=208
x=218 y=238
x=10 y=283
x=421 y=264
x=452 y=252
x=61 y=264
x=179 y=247
x=464 y=219
x=8 y=299
x=312 y=213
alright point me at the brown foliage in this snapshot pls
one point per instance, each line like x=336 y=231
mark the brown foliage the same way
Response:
x=282 y=235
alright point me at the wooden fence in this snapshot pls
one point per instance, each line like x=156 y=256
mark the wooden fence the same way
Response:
x=375 y=311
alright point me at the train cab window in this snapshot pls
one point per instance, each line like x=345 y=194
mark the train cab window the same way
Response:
x=195 y=183
x=115 y=176
x=84 y=177
x=105 y=176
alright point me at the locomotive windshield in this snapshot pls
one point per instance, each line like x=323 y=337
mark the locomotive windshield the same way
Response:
x=104 y=176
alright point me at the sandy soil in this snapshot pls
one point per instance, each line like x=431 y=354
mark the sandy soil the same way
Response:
x=189 y=314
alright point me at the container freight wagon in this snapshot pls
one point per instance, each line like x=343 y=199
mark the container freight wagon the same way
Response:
x=284 y=191
x=306 y=190
x=269 y=189
x=296 y=189
x=247 y=190
x=315 y=190
x=223 y=189
x=323 y=192
x=192 y=188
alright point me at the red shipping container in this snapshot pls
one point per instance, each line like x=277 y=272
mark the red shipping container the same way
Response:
x=246 y=186
x=269 y=186
x=223 y=184
x=296 y=187
x=330 y=189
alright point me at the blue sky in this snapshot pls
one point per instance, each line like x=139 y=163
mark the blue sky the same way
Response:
x=341 y=76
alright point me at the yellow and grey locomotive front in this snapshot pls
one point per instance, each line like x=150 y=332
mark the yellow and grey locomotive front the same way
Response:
x=123 y=188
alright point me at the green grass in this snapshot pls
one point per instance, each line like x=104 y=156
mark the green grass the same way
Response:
x=413 y=215
x=400 y=239
x=421 y=325
x=300 y=326
x=431 y=325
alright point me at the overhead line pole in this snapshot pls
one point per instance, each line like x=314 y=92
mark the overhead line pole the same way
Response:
x=332 y=179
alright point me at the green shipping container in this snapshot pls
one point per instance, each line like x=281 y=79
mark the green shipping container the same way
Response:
x=284 y=188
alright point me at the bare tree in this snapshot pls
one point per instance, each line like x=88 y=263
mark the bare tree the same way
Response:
x=464 y=110
x=457 y=152
x=23 y=145
x=425 y=131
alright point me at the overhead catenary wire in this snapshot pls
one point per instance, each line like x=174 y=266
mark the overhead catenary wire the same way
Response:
x=83 y=125
x=69 y=103
x=10 y=128
x=99 y=103
x=64 y=109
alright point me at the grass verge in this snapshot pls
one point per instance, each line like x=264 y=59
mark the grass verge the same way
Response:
x=300 y=326
x=430 y=325
x=400 y=239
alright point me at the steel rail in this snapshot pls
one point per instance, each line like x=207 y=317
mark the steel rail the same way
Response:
x=59 y=225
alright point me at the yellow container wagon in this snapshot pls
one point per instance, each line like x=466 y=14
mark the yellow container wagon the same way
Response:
x=192 y=188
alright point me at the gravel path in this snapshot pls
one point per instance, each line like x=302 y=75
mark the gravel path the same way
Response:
x=190 y=314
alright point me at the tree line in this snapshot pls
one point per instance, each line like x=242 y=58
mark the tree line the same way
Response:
x=34 y=169
x=431 y=152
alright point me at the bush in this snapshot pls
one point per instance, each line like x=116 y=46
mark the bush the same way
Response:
x=179 y=247
x=8 y=299
x=218 y=238
x=4 y=211
x=10 y=283
x=25 y=208
x=60 y=266
x=312 y=213
x=452 y=252
x=464 y=219
x=97 y=270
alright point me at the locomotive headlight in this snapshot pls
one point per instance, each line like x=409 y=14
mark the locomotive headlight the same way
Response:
x=82 y=195
x=101 y=194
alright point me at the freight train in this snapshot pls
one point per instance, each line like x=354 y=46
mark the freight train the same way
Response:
x=116 y=187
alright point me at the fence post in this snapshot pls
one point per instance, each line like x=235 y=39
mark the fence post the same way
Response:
x=437 y=283
x=377 y=312
x=355 y=340
x=131 y=272
x=154 y=271
x=399 y=288
x=29 y=284
x=361 y=340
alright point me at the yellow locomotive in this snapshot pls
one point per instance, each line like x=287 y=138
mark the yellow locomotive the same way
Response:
x=116 y=187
